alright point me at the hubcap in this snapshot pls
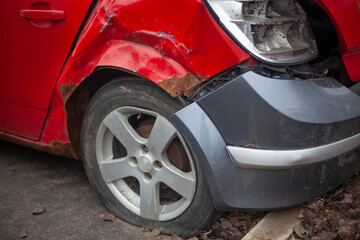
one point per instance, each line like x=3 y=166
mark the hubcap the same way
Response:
x=145 y=163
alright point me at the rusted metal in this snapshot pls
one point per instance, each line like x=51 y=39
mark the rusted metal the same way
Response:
x=66 y=90
x=252 y=145
x=57 y=148
x=185 y=85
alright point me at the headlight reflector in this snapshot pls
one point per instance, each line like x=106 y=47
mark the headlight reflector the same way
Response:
x=275 y=31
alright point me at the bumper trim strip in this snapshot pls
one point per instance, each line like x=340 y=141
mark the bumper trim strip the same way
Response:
x=278 y=159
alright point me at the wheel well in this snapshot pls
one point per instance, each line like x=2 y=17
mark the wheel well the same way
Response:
x=77 y=103
x=329 y=43
x=322 y=27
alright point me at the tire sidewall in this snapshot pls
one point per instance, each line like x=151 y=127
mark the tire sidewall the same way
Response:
x=118 y=93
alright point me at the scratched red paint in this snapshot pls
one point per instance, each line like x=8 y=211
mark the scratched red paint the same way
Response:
x=171 y=40
x=157 y=39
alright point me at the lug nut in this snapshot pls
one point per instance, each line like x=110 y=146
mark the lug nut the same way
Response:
x=148 y=176
x=133 y=161
x=158 y=164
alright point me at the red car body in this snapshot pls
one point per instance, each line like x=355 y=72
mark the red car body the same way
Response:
x=45 y=60
x=56 y=55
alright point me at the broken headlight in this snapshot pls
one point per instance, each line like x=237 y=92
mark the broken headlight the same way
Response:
x=275 y=31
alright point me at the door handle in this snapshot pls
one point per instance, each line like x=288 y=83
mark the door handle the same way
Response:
x=51 y=15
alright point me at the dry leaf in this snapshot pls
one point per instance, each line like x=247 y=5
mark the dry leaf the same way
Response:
x=37 y=211
x=109 y=218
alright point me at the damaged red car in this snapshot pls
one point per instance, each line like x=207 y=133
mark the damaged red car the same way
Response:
x=181 y=109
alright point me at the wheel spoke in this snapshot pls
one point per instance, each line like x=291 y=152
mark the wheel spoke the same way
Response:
x=122 y=130
x=161 y=135
x=142 y=161
x=150 y=207
x=116 y=169
x=181 y=182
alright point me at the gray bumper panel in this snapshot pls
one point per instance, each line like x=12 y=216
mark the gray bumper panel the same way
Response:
x=283 y=114
x=308 y=132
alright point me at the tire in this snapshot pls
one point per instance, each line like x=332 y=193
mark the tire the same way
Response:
x=139 y=164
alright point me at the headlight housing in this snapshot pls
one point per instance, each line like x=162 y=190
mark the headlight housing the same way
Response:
x=275 y=31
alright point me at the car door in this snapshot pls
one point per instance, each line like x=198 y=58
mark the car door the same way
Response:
x=35 y=40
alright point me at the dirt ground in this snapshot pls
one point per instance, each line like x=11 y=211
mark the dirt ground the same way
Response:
x=33 y=181
x=335 y=215
x=43 y=196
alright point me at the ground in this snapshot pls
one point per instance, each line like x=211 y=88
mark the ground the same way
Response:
x=32 y=181
x=335 y=215
x=44 y=196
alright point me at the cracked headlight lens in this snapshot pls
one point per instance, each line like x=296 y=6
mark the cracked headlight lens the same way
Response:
x=275 y=31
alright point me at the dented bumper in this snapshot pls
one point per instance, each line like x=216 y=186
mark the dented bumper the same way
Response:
x=267 y=143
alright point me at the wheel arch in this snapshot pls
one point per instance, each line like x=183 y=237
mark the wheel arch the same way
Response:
x=79 y=99
x=86 y=72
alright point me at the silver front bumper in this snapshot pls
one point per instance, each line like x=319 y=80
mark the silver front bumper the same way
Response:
x=274 y=159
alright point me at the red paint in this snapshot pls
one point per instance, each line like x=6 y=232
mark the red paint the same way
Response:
x=33 y=52
x=42 y=14
x=157 y=39
x=171 y=43
x=184 y=32
x=346 y=18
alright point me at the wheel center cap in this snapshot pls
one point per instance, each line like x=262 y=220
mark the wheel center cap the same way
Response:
x=145 y=164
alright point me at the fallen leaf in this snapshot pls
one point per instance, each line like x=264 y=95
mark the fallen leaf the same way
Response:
x=155 y=232
x=321 y=202
x=204 y=237
x=319 y=225
x=345 y=232
x=300 y=215
x=225 y=224
x=37 y=211
x=300 y=231
x=224 y=234
x=328 y=235
x=348 y=198
x=145 y=229
x=317 y=238
x=175 y=237
x=23 y=235
x=109 y=218
x=355 y=213
x=337 y=193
